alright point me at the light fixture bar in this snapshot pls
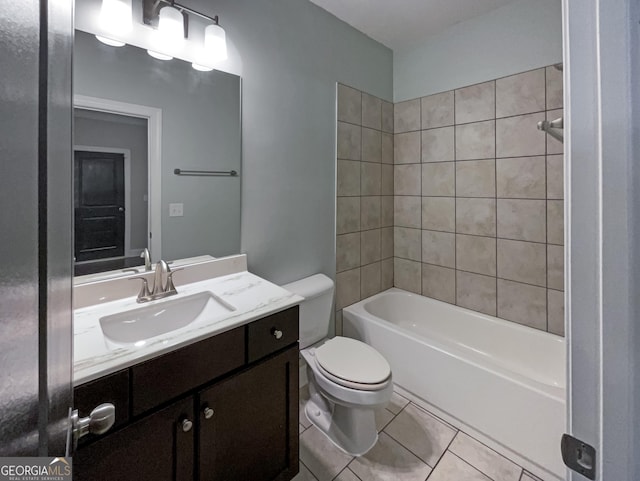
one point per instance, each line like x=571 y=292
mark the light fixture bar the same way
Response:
x=150 y=11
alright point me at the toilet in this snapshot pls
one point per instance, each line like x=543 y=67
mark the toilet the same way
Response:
x=348 y=379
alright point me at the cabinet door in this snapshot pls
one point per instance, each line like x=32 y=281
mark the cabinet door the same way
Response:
x=155 y=448
x=252 y=433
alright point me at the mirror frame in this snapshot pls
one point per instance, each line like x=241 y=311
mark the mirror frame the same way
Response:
x=153 y=117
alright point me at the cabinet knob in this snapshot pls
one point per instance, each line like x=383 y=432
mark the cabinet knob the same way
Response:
x=208 y=413
x=186 y=425
x=277 y=333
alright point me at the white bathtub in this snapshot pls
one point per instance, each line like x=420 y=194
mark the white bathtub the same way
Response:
x=495 y=379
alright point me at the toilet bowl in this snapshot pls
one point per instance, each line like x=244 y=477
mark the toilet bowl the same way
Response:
x=348 y=379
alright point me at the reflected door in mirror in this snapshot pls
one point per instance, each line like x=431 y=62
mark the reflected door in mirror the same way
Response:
x=99 y=205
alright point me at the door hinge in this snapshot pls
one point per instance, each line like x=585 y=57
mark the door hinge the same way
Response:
x=579 y=456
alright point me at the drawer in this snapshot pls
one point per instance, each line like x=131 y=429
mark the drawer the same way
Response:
x=113 y=389
x=170 y=375
x=263 y=338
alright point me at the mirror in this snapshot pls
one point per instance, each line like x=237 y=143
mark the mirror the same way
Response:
x=136 y=120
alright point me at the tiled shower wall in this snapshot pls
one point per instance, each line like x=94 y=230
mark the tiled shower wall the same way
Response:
x=478 y=218
x=364 y=222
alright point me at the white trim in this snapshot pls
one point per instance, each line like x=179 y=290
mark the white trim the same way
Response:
x=127 y=188
x=154 y=140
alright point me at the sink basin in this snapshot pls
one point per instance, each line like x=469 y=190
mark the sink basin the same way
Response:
x=137 y=325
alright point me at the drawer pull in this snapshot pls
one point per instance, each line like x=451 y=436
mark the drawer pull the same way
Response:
x=186 y=425
x=208 y=413
x=276 y=333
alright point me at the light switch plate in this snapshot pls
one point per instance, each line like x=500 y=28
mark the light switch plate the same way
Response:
x=176 y=210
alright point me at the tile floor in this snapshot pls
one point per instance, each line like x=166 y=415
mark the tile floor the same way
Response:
x=413 y=445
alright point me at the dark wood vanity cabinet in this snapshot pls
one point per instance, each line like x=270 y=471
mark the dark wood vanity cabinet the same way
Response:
x=240 y=425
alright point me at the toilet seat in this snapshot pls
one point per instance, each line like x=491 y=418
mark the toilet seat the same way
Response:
x=353 y=364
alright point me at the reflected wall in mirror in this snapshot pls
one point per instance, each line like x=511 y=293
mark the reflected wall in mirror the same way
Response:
x=137 y=119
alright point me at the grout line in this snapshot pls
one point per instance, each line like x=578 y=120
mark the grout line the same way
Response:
x=495 y=166
x=455 y=205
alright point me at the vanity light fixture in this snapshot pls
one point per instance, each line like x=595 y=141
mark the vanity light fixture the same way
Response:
x=116 y=20
x=215 y=47
x=170 y=32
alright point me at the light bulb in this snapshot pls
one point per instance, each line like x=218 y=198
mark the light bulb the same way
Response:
x=116 y=17
x=170 y=33
x=215 y=43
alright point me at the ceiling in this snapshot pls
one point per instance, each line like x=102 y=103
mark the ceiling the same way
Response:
x=403 y=24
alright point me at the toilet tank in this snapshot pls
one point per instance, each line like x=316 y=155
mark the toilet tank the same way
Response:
x=315 y=310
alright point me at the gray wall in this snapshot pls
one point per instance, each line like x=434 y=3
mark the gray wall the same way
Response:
x=118 y=132
x=520 y=36
x=290 y=54
x=200 y=122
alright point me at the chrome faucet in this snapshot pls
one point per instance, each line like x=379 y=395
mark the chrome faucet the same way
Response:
x=147 y=259
x=160 y=289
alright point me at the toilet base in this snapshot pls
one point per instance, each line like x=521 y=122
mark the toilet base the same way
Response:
x=351 y=429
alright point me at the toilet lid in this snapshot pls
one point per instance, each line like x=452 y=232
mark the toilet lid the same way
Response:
x=353 y=361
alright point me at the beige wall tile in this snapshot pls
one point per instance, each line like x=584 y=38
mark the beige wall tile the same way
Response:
x=386 y=242
x=476 y=292
x=406 y=116
x=407 y=275
x=476 y=254
x=439 y=213
x=554 y=88
x=475 y=103
x=476 y=216
x=555 y=306
x=555 y=176
x=476 y=178
x=519 y=94
x=370 y=280
x=347 y=288
x=386 y=274
x=349 y=104
x=370 y=178
x=407 y=179
x=370 y=212
x=555 y=222
x=438 y=145
x=521 y=177
x=371 y=145
x=370 y=250
x=523 y=304
x=439 y=283
x=406 y=148
x=439 y=248
x=522 y=262
x=408 y=211
x=349 y=141
x=437 y=110
x=387 y=117
x=348 y=178
x=386 y=211
x=347 y=251
x=438 y=179
x=519 y=136
x=386 y=148
x=522 y=219
x=476 y=140
x=371 y=111
x=555 y=267
x=386 y=181
x=482 y=458
x=407 y=243
x=347 y=215
x=554 y=146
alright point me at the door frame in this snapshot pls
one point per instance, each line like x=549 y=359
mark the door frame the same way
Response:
x=153 y=116
x=603 y=232
x=127 y=188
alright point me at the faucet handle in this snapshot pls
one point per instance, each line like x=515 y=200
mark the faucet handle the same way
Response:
x=170 y=287
x=144 y=290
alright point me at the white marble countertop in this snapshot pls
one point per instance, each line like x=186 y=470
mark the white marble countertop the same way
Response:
x=95 y=356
